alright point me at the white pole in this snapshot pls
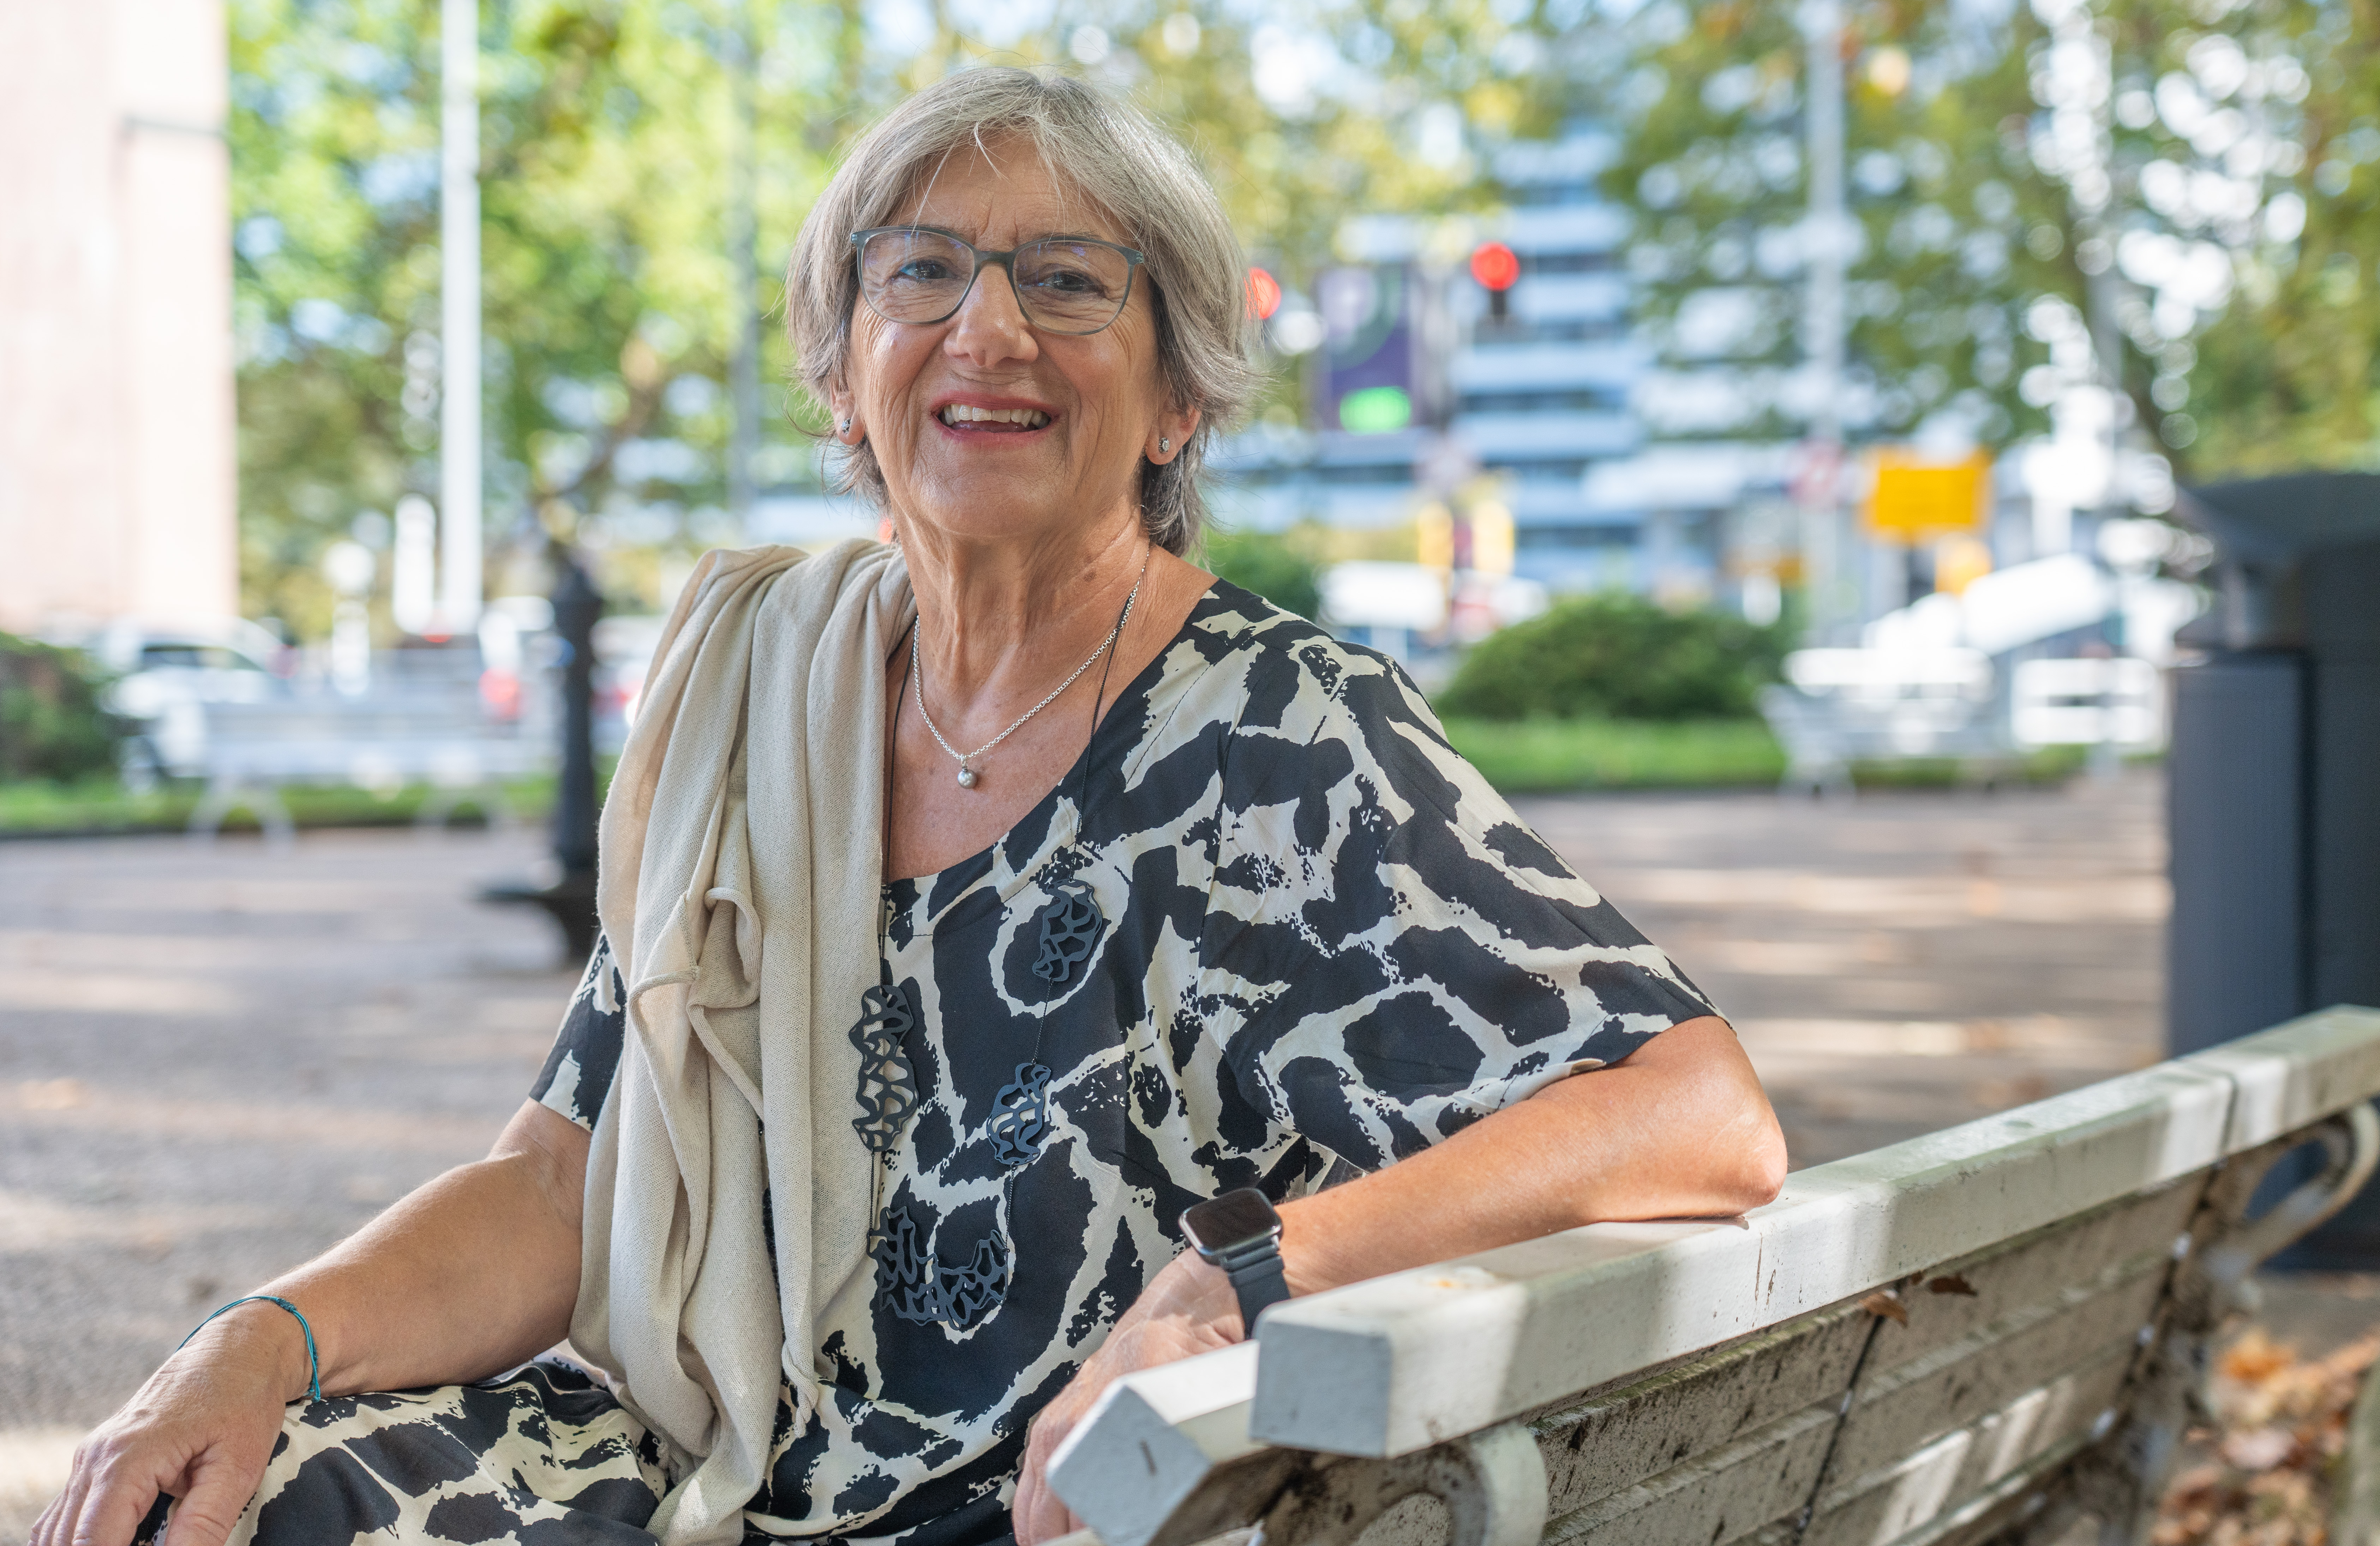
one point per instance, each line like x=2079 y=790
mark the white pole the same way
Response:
x=1822 y=556
x=742 y=237
x=458 y=235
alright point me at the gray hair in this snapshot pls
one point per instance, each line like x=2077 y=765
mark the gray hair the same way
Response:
x=1099 y=149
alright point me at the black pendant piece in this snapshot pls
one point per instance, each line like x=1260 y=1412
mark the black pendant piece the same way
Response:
x=1070 y=926
x=888 y=1086
x=1020 y=1119
x=914 y=1285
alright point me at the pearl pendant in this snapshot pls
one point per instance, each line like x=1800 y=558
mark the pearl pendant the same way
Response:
x=967 y=776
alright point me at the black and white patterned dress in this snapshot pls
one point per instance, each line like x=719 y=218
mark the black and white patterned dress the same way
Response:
x=1323 y=940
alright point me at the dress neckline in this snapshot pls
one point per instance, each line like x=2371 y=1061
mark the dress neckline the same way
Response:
x=1138 y=689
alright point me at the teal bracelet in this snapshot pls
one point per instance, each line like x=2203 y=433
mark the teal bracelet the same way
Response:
x=313 y=1360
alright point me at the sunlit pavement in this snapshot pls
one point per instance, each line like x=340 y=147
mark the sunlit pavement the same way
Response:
x=1904 y=961
x=214 y=1062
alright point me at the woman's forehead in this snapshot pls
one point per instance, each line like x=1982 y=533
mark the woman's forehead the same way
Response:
x=999 y=195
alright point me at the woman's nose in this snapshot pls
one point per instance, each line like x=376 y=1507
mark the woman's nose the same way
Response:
x=991 y=328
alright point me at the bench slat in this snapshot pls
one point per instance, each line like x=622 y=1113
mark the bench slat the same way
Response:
x=1960 y=1382
x=1614 y=1441
x=2296 y=1074
x=1716 y=1497
x=2033 y=1269
x=2024 y=1318
x=1913 y=1491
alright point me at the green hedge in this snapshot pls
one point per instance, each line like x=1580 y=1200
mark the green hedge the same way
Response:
x=1272 y=566
x=1546 y=755
x=51 y=722
x=1615 y=656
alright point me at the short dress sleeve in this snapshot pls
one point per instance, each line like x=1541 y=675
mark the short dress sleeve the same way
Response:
x=1389 y=954
x=578 y=1071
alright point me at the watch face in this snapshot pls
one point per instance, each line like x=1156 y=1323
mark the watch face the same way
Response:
x=1230 y=1220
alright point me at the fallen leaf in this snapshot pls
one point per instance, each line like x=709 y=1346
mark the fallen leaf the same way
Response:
x=1884 y=1302
x=2259 y=1449
x=1953 y=1283
x=2255 y=1356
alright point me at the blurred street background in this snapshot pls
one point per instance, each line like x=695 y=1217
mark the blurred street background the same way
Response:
x=1884 y=486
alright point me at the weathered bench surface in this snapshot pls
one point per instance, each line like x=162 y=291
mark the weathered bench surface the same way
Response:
x=1988 y=1331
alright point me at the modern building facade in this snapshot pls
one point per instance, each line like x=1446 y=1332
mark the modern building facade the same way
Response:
x=1539 y=393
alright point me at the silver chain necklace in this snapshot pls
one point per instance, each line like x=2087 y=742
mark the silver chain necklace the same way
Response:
x=967 y=773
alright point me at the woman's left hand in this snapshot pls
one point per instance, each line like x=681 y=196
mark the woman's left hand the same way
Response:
x=1189 y=1309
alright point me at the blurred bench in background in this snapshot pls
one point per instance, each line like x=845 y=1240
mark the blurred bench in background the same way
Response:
x=443 y=737
x=1988 y=1334
x=1837 y=707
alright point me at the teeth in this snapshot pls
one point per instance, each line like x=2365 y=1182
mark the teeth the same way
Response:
x=960 y=413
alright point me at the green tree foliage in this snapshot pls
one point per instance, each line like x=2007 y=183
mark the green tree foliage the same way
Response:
x=605 y=134
x=1957 y=229
x=2249 y=133
x=51 y=722
x=2241 y=140
x=1616 y=656
x=1272 y=566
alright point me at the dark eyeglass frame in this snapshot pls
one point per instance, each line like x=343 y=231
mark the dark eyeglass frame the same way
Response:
x=1004 y=260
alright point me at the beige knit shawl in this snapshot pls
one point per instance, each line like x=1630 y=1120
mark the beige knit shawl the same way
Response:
x=741 y=865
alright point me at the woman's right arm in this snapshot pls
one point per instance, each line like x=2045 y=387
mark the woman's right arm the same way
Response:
x=471 y=1274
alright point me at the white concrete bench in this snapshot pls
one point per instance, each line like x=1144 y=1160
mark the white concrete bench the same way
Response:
x=1986 y=1335
x=443 y=739
x=1837 y=707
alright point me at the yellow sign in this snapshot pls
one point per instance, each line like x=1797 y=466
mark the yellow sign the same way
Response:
x=1478 y=539
x=1913 y=500
x=1434 y=538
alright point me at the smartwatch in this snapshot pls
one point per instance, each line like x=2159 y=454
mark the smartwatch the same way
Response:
x=1240 y=1233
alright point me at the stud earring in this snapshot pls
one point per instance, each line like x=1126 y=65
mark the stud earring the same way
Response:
x=1164 y=447
x=844 y=428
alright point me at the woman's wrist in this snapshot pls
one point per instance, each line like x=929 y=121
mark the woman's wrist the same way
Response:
x=1200 y=1294
x=262 y=1334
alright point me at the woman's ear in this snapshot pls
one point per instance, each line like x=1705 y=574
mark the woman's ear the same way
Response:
x=1172 y=432
x=839 y=403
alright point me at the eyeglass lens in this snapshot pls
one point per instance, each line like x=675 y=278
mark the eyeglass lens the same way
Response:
x=1065 y=286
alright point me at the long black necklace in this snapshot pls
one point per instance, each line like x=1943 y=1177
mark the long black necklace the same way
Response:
x=911 y=1279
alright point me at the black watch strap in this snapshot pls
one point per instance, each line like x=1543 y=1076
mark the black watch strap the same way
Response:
x=1259 y=1282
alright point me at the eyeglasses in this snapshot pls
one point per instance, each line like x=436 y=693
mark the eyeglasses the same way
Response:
x=919 y=275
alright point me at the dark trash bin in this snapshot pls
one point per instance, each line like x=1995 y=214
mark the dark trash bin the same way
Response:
x=2274 y=780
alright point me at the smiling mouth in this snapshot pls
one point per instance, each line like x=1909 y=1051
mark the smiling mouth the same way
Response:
x=1007 y=419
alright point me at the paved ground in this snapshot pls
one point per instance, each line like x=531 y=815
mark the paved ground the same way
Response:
x=214 y=1062
x=1906 y=961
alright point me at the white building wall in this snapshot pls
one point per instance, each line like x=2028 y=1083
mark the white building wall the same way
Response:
x=117 y=459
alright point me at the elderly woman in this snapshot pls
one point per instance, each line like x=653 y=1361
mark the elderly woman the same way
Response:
x=989 y=917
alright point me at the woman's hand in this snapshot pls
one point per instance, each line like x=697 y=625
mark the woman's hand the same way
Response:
x=1188 y=1309
x=475 y=1272
x=202 y=1429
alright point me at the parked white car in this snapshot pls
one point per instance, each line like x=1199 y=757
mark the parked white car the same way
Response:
x=168 y=672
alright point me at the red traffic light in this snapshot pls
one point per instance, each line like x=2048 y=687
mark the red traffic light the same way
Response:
x=1264 y=294
x=1495 y=265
